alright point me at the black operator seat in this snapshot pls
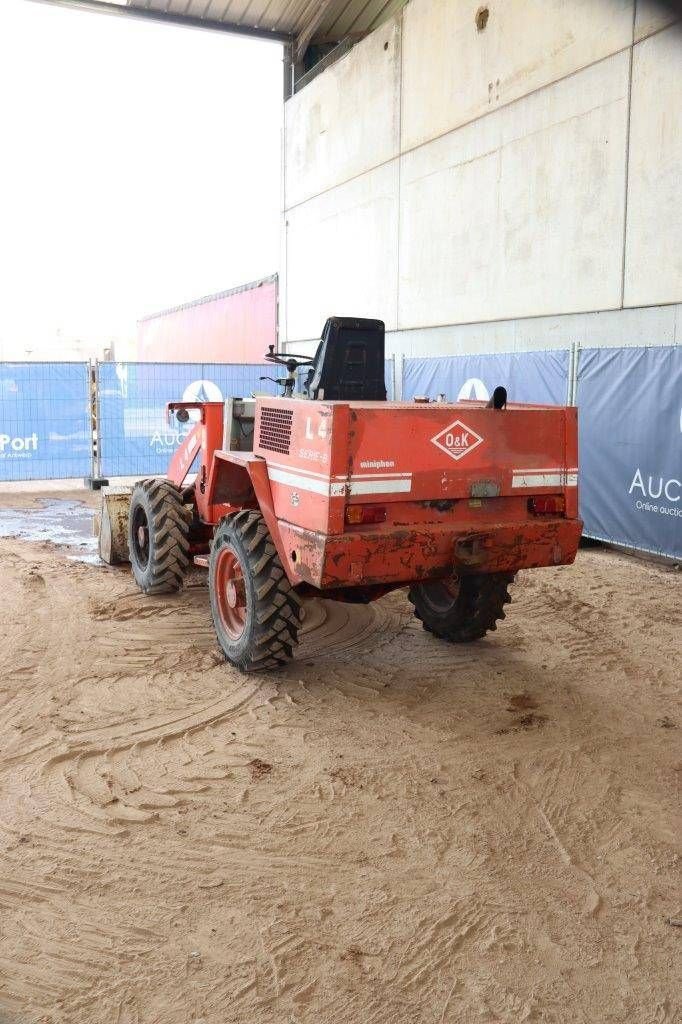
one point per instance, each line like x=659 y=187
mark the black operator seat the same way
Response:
x=349 y=362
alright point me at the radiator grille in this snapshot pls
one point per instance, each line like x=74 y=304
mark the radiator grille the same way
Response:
x=275 y=429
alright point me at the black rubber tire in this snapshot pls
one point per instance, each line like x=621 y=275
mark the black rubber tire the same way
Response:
x=273 y=608
x=468 y=615
x=160 y=566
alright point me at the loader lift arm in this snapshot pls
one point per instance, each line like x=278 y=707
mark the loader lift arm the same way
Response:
x=226 y=481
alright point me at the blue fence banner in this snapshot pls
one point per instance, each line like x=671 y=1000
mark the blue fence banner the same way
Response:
x=134 y=436
x=630 y=420
x=389 y=377
x=45 y=421
x=528 y=376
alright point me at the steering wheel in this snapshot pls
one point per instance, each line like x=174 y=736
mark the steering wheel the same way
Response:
x=289 y=359
x=292 y=363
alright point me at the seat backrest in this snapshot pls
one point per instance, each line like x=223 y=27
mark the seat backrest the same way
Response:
x=349 y=363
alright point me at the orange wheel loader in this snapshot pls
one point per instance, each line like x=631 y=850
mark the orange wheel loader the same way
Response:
x=337 y=492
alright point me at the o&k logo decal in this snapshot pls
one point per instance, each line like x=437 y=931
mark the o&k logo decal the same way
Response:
x=457 y=440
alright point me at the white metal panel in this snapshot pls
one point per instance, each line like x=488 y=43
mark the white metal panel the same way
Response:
x=519 y=213
x=347 y=120
x=653 y=253
x=453 y=73
x=342 y=250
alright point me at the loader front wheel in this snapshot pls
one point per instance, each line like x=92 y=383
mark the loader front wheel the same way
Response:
x=462 y=608
x=158 y=536
x=256 y=612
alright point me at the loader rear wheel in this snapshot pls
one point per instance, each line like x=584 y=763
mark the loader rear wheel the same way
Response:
x=463 y=608
x=158 y=536
x=256 y=612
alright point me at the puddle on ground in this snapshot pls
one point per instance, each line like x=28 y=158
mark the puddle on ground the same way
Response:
x=66 y=524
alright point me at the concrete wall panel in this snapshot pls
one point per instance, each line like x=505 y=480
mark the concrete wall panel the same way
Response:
x=347 y=120
x=342 y=250
x=660 y=325
x=453 y=73
x=648 y=325
x=650 y=17
x=653 y=251
x=497 y=229
x=521 y=212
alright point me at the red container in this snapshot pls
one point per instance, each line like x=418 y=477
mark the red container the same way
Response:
x=235 y=326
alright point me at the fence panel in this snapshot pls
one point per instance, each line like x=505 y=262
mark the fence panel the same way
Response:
x=528 y=376
x=630 y=417
x=134 y=437
x=45 y=424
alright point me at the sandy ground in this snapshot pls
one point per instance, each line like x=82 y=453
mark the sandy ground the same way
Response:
x=392 y=830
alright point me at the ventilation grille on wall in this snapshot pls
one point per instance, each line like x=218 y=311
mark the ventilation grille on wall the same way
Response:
x=275 y=429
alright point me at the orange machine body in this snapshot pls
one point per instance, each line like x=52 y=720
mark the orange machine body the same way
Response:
x=376 y=495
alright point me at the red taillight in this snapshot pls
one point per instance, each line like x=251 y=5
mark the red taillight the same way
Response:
x=357 y=515
x=547 y=505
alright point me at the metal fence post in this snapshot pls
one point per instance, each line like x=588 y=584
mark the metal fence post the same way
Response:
x=92 y=416
x=575 y=366
x=571 y=374
x=96 y=432
x=95 y=481
x=398 y=371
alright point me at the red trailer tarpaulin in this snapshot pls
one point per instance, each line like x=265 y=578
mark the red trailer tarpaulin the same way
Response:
x=235 y=326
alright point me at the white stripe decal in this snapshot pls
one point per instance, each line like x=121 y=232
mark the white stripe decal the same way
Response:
x=337 y=490
x=373 y=476
x=303 y=483
x=544 y=469
x=394 y=486
x=305 y=472
x=535 y=479
x=340 y=476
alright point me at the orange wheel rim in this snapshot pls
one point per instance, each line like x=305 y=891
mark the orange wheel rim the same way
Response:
x=230 y=592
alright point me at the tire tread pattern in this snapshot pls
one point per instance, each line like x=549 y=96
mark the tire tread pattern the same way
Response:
x=169 y=521
x=277 y=610
x=476 y=611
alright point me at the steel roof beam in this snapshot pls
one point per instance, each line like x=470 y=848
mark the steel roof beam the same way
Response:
x=318 y=9
x=169 y=18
